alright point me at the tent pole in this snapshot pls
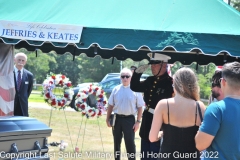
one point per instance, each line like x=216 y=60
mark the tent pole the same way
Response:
x=95 y=48
x=120 y=66
x=225 y=58
x=74 y=53
x=197 y=62
x=112 y=60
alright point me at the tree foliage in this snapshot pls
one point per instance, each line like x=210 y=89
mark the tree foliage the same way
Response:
x=94 y=69
x=236 y=4
x=129 y=62
x=38 y=64
x=204 y=75
x=85 y=69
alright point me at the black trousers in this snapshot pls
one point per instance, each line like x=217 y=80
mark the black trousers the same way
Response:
x=124 y=128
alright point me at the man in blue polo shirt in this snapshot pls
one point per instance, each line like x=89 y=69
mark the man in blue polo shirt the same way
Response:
x=219 y=133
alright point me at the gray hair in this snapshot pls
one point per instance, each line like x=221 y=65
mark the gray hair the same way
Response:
x=186 y=84
x=231 y=73
x=126 y=70
x=21 y=54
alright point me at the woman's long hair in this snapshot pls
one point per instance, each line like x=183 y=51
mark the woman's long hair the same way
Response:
x=186 y=84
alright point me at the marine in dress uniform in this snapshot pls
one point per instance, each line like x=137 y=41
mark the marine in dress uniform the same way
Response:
x=155 y=88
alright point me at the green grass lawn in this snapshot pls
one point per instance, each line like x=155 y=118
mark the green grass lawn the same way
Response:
x=36 y=98
x=36 y=95
x=89 y=135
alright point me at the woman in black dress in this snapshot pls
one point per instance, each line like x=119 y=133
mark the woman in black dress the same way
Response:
x=178 y=118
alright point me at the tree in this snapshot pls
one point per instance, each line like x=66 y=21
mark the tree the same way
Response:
x=39 y=65
x=94 y=69
x=236 y=4
x=85 y=69
x=204 y=74
x=175 y=67
x=129 y=62
x=68 y=67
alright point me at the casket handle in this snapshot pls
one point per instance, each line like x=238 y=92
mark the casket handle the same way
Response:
x=37 y=146
x=14 y=148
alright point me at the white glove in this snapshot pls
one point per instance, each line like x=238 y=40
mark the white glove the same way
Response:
x=141 y=69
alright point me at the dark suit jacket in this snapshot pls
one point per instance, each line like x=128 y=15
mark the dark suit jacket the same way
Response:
x=154 y=89
x=21 y=97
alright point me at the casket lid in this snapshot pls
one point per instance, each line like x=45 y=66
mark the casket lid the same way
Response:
x=18 y=125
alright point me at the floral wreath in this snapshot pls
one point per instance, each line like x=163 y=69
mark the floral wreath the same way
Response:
x=60 y=81
x=81 y=100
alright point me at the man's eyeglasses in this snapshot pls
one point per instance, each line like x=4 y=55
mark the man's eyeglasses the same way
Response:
x=125 y=77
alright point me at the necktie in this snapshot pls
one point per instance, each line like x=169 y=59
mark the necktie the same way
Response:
x=19 y=80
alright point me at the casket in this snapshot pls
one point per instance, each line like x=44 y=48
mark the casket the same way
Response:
x=23 y=138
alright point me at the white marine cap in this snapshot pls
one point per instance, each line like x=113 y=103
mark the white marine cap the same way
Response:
x=158 y=58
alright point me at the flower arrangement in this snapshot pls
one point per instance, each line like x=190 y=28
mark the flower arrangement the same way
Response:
x=62 y=82
x=81 y=100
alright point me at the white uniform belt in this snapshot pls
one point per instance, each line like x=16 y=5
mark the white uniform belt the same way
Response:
x=150 y=110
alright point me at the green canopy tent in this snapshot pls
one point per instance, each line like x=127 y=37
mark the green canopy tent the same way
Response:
x=203 y=31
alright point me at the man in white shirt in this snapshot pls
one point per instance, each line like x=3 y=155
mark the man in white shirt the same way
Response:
x=125 y=104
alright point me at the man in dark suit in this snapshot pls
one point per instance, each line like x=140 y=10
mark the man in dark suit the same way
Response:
x=23 y=85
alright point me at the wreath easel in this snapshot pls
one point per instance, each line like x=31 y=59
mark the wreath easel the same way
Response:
x=82 y=106
x=61 y=81
x=64 y=96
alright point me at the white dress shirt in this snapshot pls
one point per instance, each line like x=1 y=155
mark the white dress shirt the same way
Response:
x=16 y=73
x=125 y=101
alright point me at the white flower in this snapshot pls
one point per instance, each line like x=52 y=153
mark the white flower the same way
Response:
x=62 y=82
x=83 y=94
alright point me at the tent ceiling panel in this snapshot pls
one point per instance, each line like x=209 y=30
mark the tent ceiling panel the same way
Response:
x=130 y=29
